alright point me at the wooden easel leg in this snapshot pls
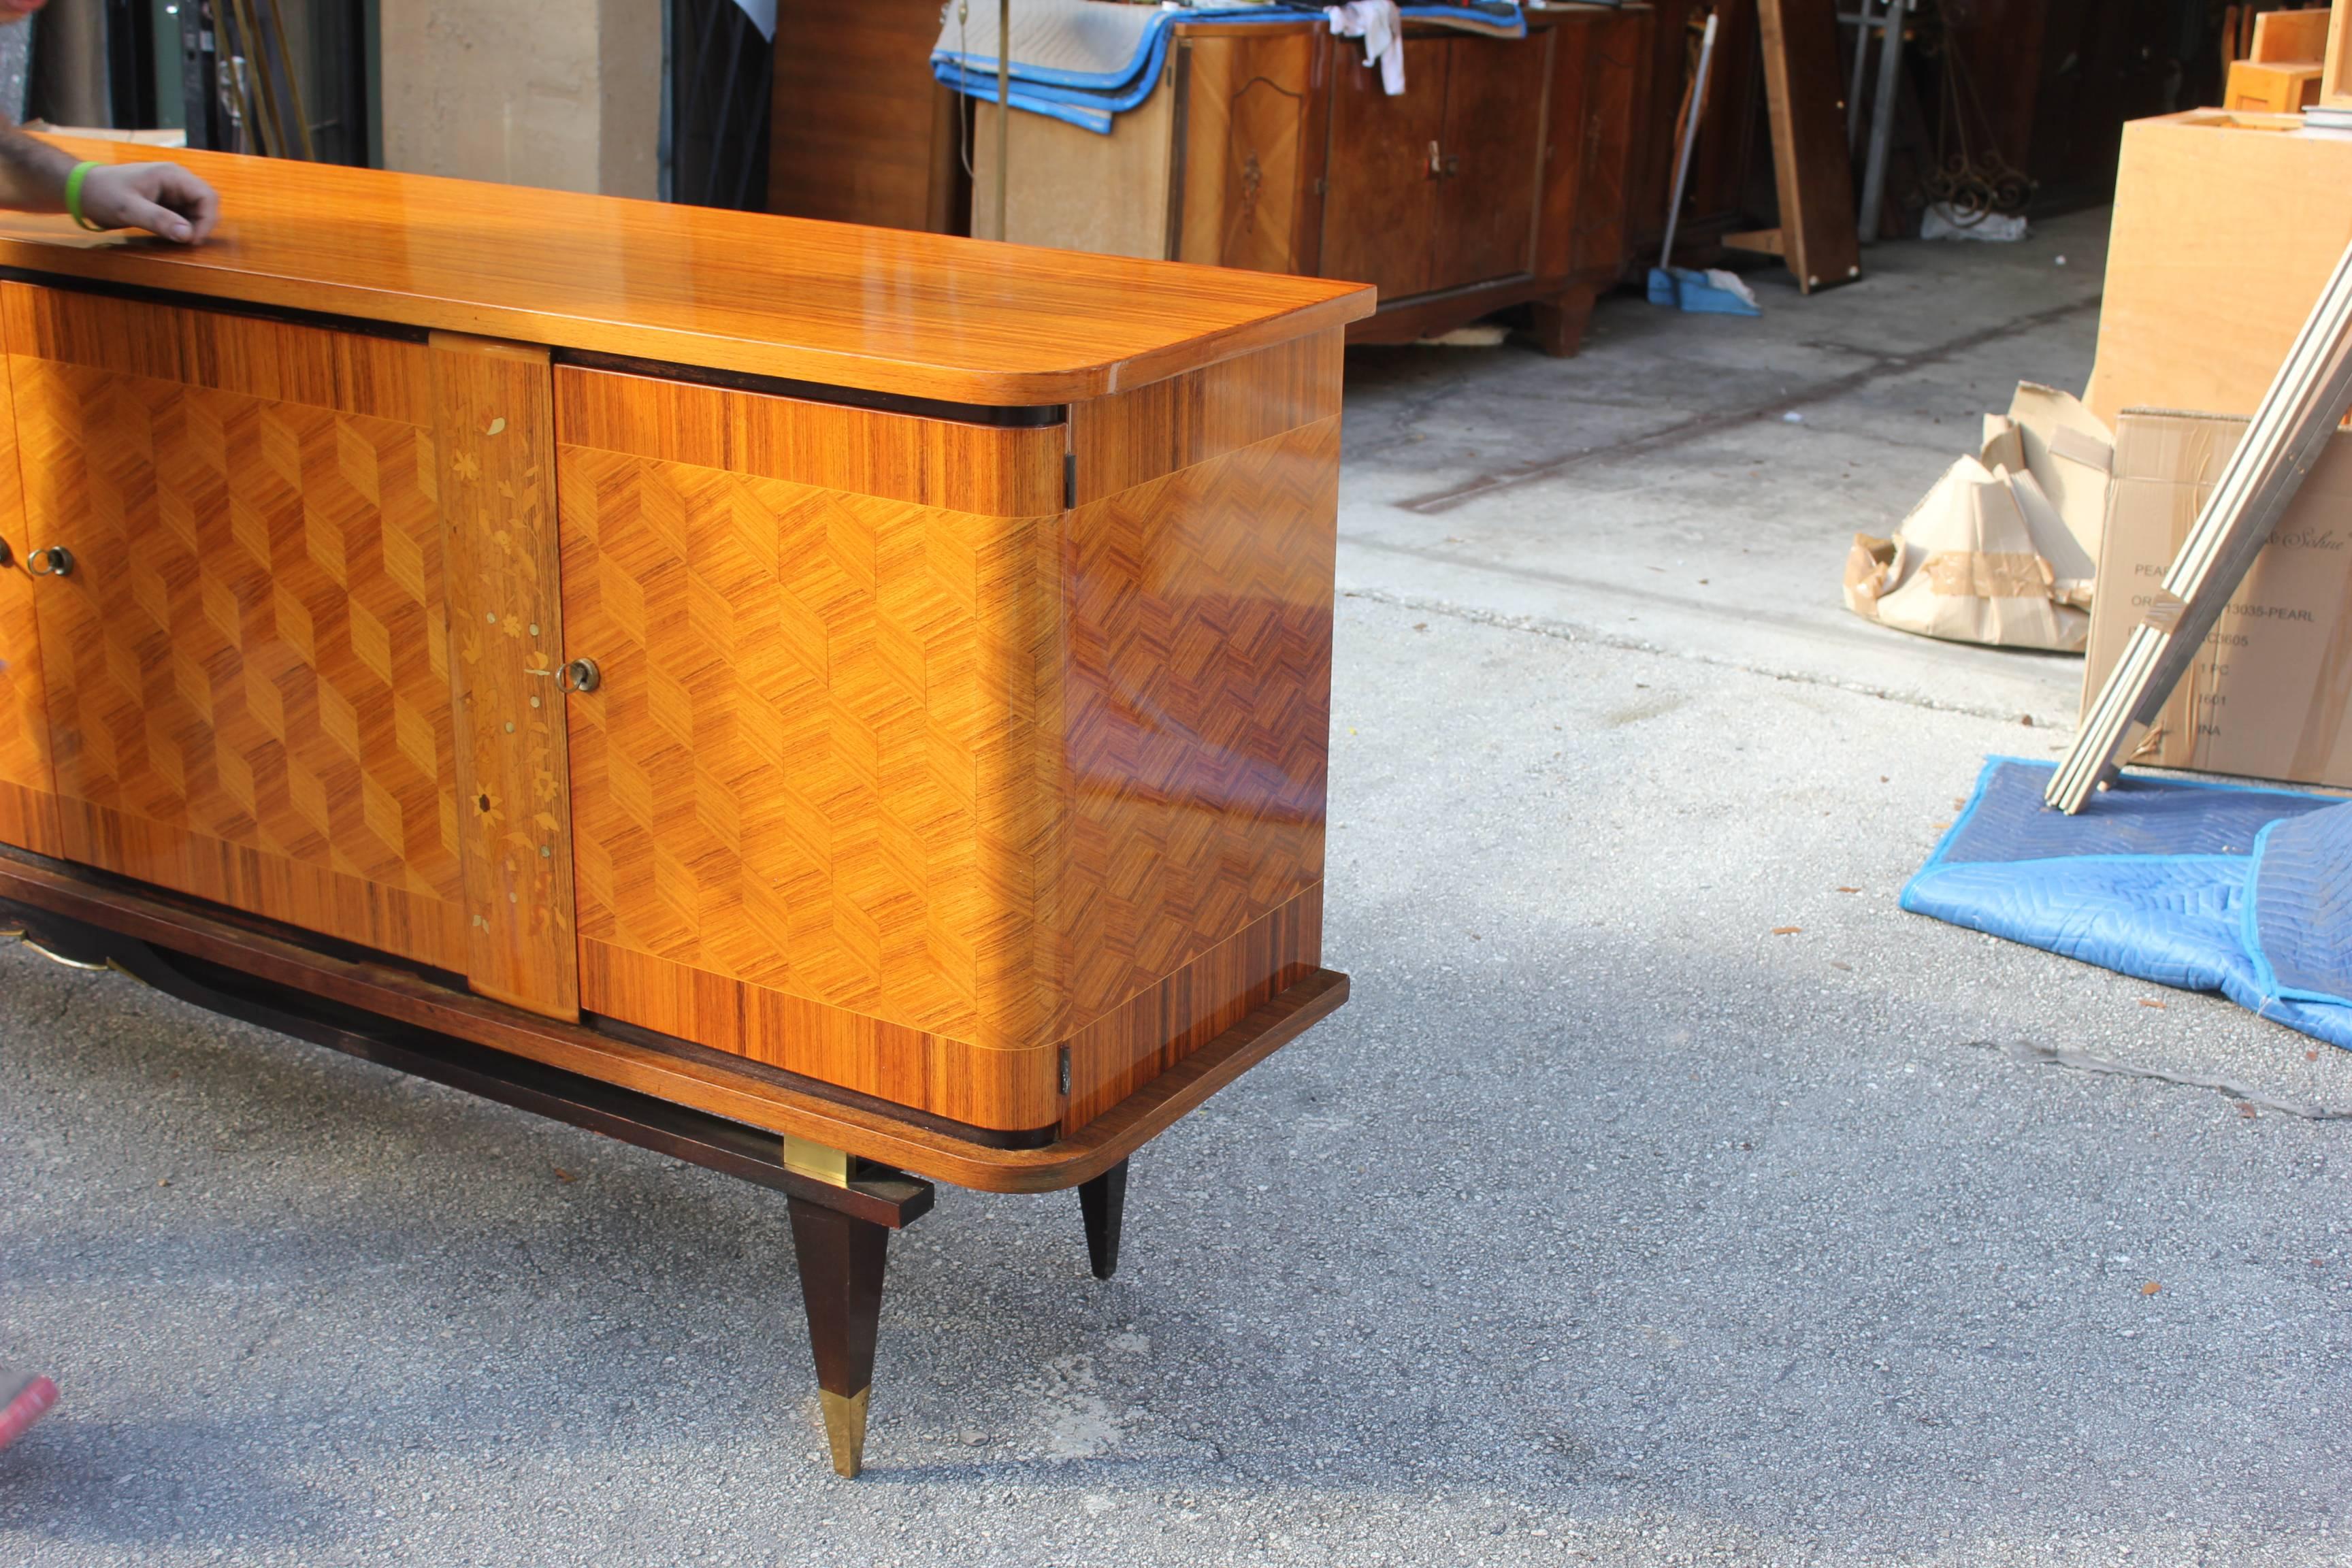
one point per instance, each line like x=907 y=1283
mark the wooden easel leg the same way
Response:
x=1559 y=321
x=1103 y=1203
x=842 y=1258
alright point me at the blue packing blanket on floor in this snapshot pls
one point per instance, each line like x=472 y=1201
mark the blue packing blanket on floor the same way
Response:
x=2207 y=886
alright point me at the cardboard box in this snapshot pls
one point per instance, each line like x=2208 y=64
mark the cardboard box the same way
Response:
x=2269 y=695
x=2226 y=227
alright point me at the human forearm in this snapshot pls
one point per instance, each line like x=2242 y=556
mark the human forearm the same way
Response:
x=32 y=173
x=163 y=198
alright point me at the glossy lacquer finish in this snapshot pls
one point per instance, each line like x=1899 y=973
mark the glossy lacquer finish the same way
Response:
x=882 y=310
x=916 y=786
x=973 y=768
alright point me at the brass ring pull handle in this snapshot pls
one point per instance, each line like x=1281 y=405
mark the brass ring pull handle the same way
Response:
x=581 y=675
x=56 y=561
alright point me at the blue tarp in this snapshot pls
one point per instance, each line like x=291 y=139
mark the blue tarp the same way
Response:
x=1110 y=85
x=2207 y=886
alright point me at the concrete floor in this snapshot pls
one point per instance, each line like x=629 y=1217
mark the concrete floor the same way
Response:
x=1605 y=1224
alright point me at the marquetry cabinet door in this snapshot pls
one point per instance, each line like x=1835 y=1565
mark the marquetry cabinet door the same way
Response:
x=234 y=570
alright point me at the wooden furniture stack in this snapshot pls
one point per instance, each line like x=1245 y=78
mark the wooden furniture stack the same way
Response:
x=1497 y=178
x=2282 y=70
x=844 y=702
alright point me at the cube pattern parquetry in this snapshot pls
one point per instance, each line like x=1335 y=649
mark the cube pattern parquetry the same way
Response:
x=778 y=780
x=250 y=646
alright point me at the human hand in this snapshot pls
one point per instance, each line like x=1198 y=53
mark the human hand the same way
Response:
x=161 y=198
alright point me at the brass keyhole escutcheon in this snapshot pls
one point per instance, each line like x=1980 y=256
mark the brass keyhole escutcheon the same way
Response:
x=56 y=561
x=580 y=675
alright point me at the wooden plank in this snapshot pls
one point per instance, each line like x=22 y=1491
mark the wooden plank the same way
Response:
x=2289 y=37
x=1810 y=167
x=495 y=440
x=917 y=315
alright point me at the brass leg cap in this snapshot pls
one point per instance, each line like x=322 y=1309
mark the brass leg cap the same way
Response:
x=845 y=1429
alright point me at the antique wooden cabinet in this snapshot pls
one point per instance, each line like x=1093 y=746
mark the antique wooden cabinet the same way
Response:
x=865 y=693
x=1498 y=177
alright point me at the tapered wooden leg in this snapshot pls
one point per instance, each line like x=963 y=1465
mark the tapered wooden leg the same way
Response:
x=842 y=1260
x=1103 y=1203
x=1559 y=321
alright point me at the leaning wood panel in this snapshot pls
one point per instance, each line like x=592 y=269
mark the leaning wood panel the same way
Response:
x=245 y=667
x=1809 y=167
x=495 y=432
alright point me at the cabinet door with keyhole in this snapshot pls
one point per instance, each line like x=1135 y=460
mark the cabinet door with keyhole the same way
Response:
x=27 y=787
x=1382 y=213
x=236 y=562
x=1492 y=163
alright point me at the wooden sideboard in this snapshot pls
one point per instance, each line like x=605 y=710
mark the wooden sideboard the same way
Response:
x=868 y=690
x=1497 y=178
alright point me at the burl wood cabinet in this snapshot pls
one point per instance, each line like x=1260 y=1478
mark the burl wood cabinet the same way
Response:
x=1498 y=177
x=842 y=705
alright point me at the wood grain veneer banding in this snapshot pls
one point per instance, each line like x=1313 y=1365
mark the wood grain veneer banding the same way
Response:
x=1138 y=435
x=1185 y=743
x=246 y=665
x=1126 y=1048
x=1004 y=1090
x=28 y=819
x=277 y=362
x=420 y=928
x=873 y=781
x=918 y=315
x=495 y=439
x=688 y=1078
x=961 y=468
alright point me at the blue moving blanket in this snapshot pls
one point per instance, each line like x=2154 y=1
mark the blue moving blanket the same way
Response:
x=1084 y=61
x=2207 y=886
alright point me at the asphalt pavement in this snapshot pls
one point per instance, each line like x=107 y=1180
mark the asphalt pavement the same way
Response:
x=1663 y=1195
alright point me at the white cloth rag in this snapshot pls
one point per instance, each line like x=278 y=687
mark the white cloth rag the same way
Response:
x=1381 y=27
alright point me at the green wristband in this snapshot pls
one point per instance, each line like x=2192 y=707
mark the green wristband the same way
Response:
x=73 y=196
